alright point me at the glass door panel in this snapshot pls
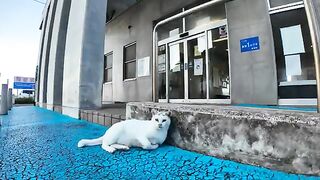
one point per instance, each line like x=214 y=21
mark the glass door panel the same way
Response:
x=162 y=71
x=176 y=71
x=197 y=84
x=219 y=80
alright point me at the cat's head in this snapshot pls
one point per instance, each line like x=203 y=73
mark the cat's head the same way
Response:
x=161 y=119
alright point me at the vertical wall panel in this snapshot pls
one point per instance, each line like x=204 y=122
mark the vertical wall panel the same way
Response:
x=253 y=74
x=56 y=57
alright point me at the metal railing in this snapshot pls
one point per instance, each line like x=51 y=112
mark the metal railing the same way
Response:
x=314 y=32
x=100 y=118
x=92 y=116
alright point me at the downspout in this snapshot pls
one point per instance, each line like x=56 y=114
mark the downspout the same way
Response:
x=155 y=44
x=315 y=36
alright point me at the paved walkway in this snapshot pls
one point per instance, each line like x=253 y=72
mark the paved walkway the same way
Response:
x=40 y=144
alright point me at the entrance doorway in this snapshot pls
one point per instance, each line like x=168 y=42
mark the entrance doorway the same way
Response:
x=195 y=68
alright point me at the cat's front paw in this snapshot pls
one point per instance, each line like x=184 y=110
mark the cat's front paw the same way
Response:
x=151 y=146
x=155 y=146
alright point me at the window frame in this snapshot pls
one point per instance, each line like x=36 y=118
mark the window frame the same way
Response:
x=286 y=7
x=106 y=69
x=129 y=61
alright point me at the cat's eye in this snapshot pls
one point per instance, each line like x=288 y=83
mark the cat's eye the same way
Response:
x=164 y=120
x=157 y=120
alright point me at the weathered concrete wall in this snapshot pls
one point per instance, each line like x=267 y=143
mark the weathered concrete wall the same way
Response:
x=281 y=140
x=45 y=53
x=253 y=74
x=140 y=17
x=83 y=65
x=56 y=56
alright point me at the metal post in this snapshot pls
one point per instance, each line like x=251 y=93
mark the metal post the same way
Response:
x=9 y=99
x=155 y=44
x=315 y=37
x=4 y=101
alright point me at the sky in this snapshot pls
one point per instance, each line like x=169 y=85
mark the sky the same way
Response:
x=19 y=38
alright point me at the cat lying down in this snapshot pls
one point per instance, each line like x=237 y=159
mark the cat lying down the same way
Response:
x=133 y=133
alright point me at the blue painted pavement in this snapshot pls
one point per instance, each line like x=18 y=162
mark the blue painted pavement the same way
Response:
x=39 y=144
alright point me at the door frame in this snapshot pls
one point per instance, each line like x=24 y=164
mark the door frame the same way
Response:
x=186 y=63
x=192 y=34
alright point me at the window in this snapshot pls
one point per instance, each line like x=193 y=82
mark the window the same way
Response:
x=219 y=80
x=129 y=64
x=108 y=67
x=162 y=71
x=277 y=3
x=172 y=28
x=294 y=54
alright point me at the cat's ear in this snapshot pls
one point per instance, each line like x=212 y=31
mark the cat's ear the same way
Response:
x=154 y=112
x=168 y=113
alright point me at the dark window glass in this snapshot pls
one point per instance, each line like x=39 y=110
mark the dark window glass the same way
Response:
x=170 y=29
x=197 y=68
x=108 y=61
x=130 y=70
x=219 y=80
x=176 y=71
x=275 y=3
x=129 y=61
x=108 y=75
x=162 y=72
x=293 y=48
x=294 y=92
x=130 y=53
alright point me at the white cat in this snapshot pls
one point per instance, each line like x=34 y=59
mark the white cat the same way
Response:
x=133 y=133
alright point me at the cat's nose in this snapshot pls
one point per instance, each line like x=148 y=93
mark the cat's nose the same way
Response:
x=160 y=125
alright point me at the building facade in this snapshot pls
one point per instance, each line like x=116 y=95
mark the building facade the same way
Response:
x=230 y=52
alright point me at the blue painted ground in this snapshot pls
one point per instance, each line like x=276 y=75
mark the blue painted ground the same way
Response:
x=40 y=144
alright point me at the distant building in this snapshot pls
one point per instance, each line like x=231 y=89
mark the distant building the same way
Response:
x=232 y=52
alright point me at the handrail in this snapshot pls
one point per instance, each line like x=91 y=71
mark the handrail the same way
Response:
x=314 y=32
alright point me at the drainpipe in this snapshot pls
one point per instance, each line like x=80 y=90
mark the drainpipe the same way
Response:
x=315 y=37
x=155 y=41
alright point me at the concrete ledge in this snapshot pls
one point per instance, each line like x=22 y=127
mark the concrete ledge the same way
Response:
x=280 y=140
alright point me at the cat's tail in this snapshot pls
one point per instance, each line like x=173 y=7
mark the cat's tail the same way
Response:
x=90 y=142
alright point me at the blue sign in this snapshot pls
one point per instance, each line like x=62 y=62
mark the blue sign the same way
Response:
x=23 y=85
x=250 y=44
